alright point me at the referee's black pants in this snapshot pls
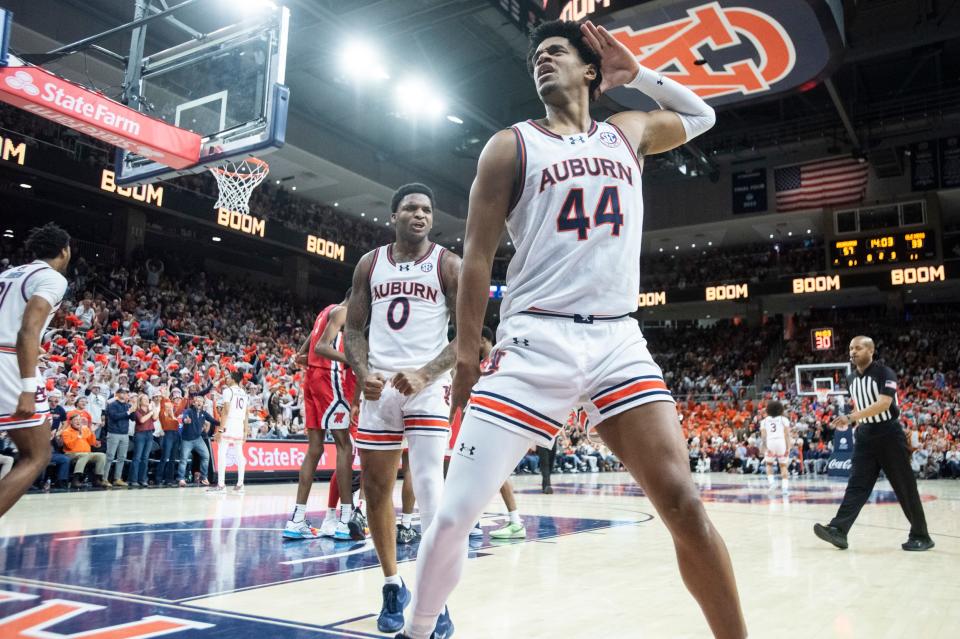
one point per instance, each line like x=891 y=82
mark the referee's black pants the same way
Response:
x=881 y=446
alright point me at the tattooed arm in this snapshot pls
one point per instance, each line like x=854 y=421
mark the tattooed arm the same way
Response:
x=412 y=382
x=356 y=344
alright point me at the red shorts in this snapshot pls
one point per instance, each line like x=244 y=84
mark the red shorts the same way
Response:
x=326 y=398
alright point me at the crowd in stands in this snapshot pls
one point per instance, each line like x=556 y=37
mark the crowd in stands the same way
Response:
x=718 y=361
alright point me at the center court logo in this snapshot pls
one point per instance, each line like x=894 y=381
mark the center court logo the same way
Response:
x=674 y=48
x=34 y=622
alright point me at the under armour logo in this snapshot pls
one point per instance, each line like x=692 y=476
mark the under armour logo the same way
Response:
x=660 y=80
x=472 y=449
x=521 y=342
x=577 y=138
x=403 y=267
x=23 y=81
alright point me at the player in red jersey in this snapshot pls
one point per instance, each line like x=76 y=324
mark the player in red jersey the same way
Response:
x=329 y=392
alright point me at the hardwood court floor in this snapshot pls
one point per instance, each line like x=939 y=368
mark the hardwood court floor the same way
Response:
x=597 y=563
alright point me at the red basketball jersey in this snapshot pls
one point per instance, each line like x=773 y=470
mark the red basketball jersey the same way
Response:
x=320 y=325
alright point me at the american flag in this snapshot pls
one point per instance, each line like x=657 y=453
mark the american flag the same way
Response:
x=820 y=183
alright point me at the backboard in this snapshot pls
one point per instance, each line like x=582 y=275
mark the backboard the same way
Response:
x=830 y=378
x=227 y=86
x=6 y=19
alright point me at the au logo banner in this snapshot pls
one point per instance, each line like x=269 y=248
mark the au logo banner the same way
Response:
x=729 y=50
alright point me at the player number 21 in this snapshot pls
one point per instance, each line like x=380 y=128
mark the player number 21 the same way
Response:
x=572 y=216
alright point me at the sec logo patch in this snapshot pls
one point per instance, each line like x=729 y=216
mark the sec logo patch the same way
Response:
x=608 y=138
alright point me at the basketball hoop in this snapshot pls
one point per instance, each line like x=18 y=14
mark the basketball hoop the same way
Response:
x=236 y=180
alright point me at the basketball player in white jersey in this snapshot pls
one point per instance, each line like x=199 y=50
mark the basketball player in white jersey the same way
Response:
x=232 y=432
x=568 y=190
x=775 y=443
x=407 y=290
x=29 y=296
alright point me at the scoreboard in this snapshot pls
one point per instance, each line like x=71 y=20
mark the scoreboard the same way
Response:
x=822 y=339
x=897 y=247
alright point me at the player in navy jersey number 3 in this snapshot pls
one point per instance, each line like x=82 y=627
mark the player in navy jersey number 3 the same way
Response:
x=568 y=190
x=407 y=290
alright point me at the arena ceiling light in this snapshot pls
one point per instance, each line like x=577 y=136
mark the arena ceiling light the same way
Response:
x=24 y=185
x=252 y=6
x=361 y=61
x=215 y=238
x=455 y=119
x=415 y=97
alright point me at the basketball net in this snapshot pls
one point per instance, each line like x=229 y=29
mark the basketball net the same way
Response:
x=236 y=180
x=823 y=396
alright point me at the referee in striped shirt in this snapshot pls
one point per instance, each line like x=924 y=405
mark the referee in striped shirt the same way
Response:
x=879 y=444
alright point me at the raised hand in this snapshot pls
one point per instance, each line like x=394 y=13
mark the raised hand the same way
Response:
x=617 y=64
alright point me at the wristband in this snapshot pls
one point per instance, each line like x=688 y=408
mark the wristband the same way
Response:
x=28 y=384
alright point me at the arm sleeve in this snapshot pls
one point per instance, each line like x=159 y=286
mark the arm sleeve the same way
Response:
x=48 y=284
x=887 y=382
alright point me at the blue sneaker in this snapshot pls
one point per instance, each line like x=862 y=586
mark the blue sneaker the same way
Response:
x=395 y=599
x=444 y=627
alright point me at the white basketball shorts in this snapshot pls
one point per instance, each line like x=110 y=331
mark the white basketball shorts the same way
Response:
x=544 y=367
x=385 y=422
x=10 y=394
x=776 y=450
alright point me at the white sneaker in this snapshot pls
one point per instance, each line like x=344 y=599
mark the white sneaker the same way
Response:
x=342 y=532
x=329 y=527
x=476 y=531
x=216 y=490
x=238 y=489
x=300 y=530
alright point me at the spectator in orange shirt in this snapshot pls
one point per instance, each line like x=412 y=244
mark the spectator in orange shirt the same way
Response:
x=171 y=437
x=78 y=440
x=81 y=409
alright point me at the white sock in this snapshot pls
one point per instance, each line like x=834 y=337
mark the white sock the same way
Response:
x=785 y=484
x=299 y=513
x=406 y=519
x=331 y=513
x=514 y=517
x=346 y=512
x=395 y=580
x=770 y=478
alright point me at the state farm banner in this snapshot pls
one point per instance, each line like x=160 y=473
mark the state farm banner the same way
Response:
x=279 y=455
x=727 y=51
x=44 y=94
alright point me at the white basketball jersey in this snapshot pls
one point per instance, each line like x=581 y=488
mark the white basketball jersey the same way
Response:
x=17 y=286
x=576 y=224
x=408 y=310
x=237 y=399
x=775 y=428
